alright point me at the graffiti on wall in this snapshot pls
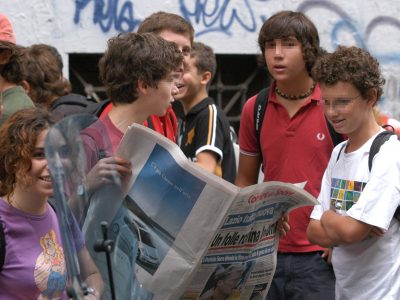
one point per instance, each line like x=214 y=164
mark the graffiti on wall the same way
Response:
x=109 y=14
x=226 y=17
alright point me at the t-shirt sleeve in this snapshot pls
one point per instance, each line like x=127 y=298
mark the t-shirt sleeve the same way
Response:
x=247 y=134
x=209 y=136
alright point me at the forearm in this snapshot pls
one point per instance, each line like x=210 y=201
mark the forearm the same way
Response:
x=90 y=272
x=344 y=229
x=95 y=282
x=317 y=234
x=249 y=168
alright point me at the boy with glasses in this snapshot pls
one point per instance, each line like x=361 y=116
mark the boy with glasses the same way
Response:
x=357 y=204
x=172 y=28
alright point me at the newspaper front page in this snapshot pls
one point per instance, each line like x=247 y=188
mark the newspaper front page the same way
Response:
x=200 y=237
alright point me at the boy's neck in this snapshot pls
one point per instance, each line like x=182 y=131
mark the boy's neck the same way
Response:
x=293 y=89
x=188 y=104
x=123 y=115
x=5 y=85
x=360 y=136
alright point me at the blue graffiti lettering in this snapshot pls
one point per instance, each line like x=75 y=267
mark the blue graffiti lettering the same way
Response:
x=107 y=14
x=219 y=16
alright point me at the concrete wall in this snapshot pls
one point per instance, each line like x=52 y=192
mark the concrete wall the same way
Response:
x=229 y=26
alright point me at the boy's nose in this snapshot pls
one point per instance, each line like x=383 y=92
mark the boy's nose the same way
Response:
x=278 y=50
x=174 y=90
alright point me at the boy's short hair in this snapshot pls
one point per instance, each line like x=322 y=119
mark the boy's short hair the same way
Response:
x=131 y=57
x=161 y=20
x=204 y=58
x=289 y=23
x=352 y=65
x=43 y=71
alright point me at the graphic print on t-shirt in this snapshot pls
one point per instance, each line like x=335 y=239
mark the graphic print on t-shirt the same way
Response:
x=50 y=275
x=344 y=193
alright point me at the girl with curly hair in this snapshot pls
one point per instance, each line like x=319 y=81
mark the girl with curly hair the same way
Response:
x=34 y=263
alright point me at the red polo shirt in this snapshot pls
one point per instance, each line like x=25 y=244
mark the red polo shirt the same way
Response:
x=295 y=149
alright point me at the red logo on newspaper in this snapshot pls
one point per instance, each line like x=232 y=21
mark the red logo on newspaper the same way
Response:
x=255 y=198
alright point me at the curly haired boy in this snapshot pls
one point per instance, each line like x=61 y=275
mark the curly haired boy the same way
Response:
x=357 y=205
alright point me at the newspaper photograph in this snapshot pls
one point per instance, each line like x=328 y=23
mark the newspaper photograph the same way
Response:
x=195 y=230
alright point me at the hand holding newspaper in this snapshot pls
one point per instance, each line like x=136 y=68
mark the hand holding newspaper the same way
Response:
x=196 y=229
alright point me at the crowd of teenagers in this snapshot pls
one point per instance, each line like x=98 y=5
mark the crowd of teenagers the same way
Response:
x=319 y=125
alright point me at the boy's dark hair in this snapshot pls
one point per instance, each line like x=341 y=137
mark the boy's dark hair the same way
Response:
x=161 y=20
x=352 y=65
x=43 y=71
x=289 y=23
x=204 y=58
x=12 y=70
x=131 y=57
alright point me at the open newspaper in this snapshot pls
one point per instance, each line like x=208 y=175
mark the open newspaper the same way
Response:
x=200 y=237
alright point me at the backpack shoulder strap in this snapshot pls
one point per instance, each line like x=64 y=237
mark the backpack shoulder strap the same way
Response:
x=379 y=140
x=2 y=246
x=259 y=112
x=340 y=151
x=97 y=137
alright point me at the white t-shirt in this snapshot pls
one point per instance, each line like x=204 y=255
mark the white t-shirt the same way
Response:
x=369 y=269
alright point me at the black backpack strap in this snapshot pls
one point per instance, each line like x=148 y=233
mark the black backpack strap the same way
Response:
x=2 y=246
x=260 y=107
x=340 y=151
x=97 y=137
x=380 y=139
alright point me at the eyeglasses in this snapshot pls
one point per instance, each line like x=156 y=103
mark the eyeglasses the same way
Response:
x=339 y=104
x=186 y=51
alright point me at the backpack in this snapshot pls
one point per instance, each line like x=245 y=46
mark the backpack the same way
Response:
x=259 y=113
x=379 y=140
x=70 y=104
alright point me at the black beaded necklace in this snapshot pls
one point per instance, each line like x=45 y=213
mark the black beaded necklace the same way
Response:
x=292 y=97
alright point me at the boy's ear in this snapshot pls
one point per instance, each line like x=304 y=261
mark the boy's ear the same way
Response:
x=142 y=87
x=372 y=96
x=26 y=86
x=205 y=78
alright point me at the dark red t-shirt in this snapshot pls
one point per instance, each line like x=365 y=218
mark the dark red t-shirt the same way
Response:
x=167 y=125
